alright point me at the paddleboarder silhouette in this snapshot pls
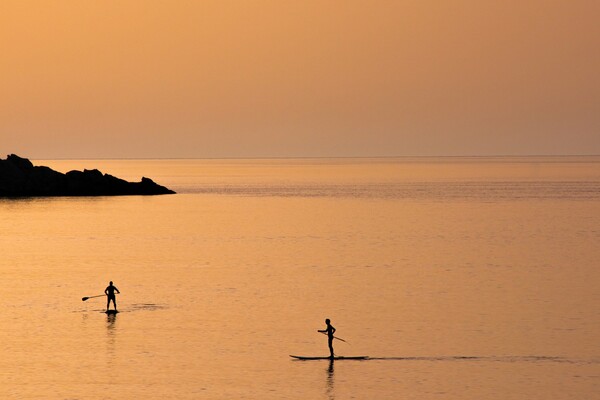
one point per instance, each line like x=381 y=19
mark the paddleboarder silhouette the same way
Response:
x=110 y=295
x=330 y=330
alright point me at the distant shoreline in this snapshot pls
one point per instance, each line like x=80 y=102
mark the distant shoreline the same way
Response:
x=19 y=177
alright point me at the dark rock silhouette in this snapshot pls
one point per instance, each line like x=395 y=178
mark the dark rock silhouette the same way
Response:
x=20 y=178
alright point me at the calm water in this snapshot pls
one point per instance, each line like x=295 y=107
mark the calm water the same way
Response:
x=464 y=278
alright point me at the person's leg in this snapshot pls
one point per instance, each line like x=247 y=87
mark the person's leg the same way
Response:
x=330 y=342
x=107 y=303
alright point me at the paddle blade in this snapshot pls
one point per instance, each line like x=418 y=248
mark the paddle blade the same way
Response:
x=84 y=298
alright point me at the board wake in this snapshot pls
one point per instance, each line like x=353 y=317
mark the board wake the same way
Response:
x=329 y=358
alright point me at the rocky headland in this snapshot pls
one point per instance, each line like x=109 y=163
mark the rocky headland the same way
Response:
x=20 y=178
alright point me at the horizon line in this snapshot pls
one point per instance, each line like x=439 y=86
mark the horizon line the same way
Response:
x=320 y=157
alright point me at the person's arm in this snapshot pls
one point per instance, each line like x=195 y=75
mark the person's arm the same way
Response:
x=117 y=290
x=106 y=291
x=332 y=330
x=322 y=331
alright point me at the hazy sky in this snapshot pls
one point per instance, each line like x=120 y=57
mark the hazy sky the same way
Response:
x=284 y=78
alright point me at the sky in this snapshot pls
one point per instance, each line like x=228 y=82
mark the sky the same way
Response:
x=212 y=79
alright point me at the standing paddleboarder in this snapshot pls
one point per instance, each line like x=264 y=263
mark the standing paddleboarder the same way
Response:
x=110 y=295
x=330 y=330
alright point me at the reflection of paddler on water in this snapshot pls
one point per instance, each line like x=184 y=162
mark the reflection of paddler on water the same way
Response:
x=329 y=331
x=110 y=295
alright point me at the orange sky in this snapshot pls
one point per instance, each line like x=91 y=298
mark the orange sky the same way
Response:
x=123 y=78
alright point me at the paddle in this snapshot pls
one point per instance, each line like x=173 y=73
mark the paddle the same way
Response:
x=91 y=297
x=335 y=337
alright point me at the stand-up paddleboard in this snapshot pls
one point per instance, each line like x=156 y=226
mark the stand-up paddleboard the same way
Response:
x=329 y=358
x=111 y=312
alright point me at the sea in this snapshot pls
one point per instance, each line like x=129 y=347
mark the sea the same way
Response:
x=459 y=277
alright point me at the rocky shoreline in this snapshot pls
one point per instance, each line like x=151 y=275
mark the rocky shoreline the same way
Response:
x=20 y=178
